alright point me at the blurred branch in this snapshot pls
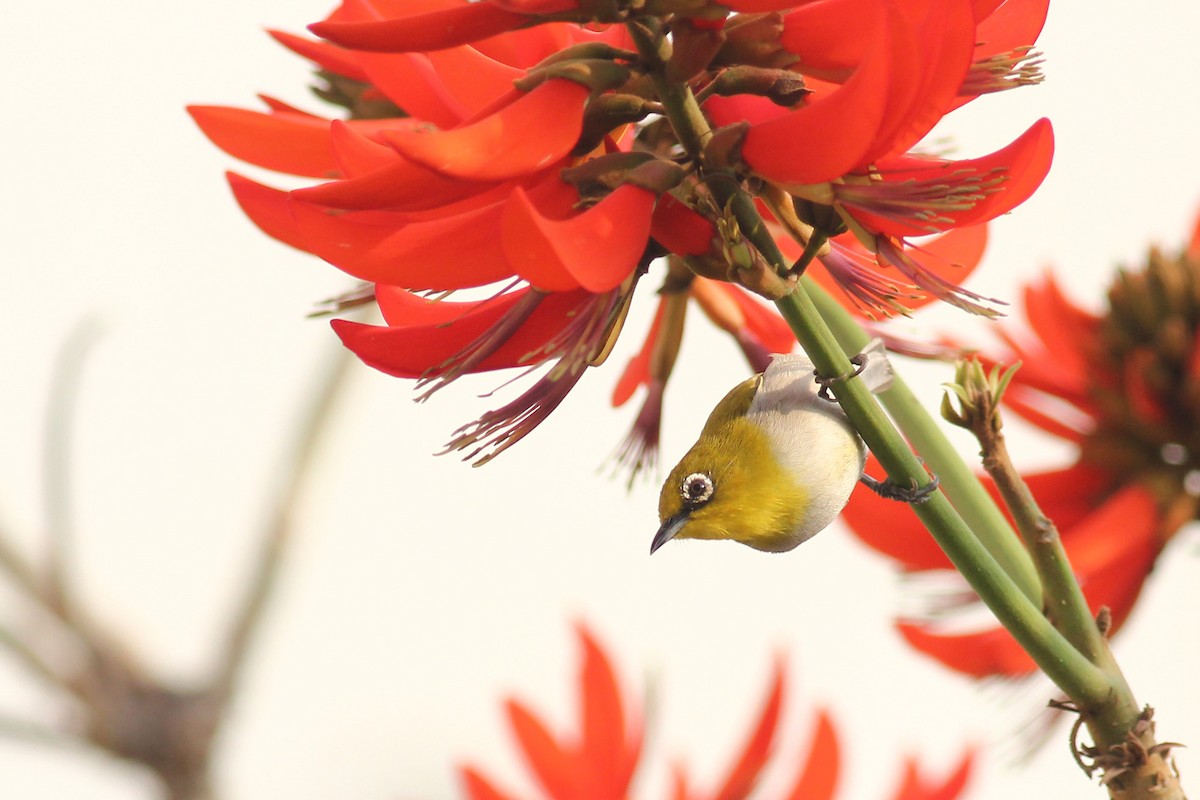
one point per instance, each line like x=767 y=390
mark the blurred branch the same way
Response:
x=18 y=569
x=30 y=659
x=56 y=464
x=279 y=528
x=12 y=727
x=127 y=712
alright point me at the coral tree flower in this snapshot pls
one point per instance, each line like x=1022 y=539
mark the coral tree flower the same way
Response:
x=507 y=171
x=1124 y=387
x=598 y=761
x=759 y=331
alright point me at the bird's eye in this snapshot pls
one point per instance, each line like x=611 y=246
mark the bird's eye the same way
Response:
x=696 y=489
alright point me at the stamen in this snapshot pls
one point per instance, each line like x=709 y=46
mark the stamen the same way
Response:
x=640 y=449
x=892 y=252
x=577 y=343
x=482 y=346
x=1018 y=67
x=865 y=287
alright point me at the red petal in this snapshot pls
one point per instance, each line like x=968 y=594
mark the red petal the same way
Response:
x=819 y=776
x=410 y=81
x=537 y=6
x=358 y=154
x=472 y=78
x=596 y=250
x=477 y=787
x=892 y=531
x=980 y=655
x=915 y=787
x=1014 y=24
x=951 y=257
x=275 y=104
x=403 y=309
x=403 y=185
x=637 y=371
x=961 y=249
x=680 y=229
x=453 y=252
x=797 y=148
x=325 y=55
x=680 y=789
x=268 y=209
x=756 y=6
x=983 y=8
x=516 y=140
x=755 y=110
x=754 y=756
x=945 y=31
x=423 y=335
x=1034 y=410
x=433 y=30
x=285 y=142
x=527 y=47
x=603 y=748
x=764 y=322
x=818 y=33
x=1193 y=248
x=556 y=769
x=1024 y=164
x=1062 y=326
x=1118 y=529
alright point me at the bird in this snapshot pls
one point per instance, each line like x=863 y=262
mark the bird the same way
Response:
x=775 y=462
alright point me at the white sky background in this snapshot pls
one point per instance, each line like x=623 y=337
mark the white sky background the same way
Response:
x=421 y=591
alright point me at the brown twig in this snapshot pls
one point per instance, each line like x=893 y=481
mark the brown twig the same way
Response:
x=1132 y=764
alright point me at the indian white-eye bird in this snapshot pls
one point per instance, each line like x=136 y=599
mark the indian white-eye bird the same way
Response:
x=775 y=462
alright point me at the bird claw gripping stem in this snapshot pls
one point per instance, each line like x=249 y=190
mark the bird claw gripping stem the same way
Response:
x=904 y=494
x=860 y=363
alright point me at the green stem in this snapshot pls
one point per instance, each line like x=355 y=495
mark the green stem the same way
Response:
x=818 y=240
x=1073 y=673
x=965 y=491
x=1117 y=714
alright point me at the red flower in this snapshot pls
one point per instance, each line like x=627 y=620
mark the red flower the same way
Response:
x=891 y=87
x=598 y=762
x=508 y=151
x=1124 y=386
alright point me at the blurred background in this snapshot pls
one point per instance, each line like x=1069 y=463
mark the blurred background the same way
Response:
x=419 y=592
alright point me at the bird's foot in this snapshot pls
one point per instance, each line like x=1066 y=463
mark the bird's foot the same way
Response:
x=860 y=363
x=904 y=494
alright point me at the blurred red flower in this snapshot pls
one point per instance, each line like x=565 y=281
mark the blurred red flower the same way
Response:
x=514 y=153
x=1122 y=385
x=598 y=762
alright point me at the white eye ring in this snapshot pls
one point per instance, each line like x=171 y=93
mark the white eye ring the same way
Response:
x=696 y=489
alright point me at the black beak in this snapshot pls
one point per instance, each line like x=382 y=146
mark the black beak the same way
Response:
x=668 y=530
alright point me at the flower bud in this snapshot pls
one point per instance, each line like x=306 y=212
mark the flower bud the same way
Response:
x=694 y=48
x=607 y=112
x=780 y=86
x=598 y=74
x=753 y=40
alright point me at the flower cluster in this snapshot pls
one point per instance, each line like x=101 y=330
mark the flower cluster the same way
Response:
x=533 y=157
x=598 y=762
x=1124 y=387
